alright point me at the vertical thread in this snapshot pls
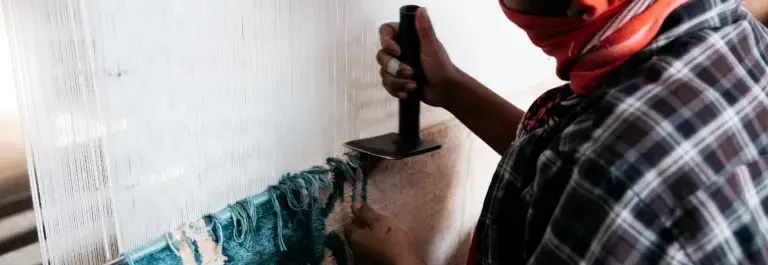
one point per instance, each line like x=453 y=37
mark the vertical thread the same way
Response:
x=279 y=216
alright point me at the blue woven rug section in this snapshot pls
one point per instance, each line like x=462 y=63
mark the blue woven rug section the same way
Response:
x=284 y=225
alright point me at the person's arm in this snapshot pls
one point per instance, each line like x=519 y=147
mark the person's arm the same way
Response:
x=488 y=115
x=485 y=113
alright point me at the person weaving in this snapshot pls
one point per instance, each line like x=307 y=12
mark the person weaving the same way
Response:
x=655 y=152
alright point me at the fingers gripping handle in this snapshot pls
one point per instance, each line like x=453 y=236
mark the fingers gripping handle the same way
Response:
x=408 y=40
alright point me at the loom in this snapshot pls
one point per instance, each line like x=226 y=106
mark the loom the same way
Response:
x=139 y=116
x=393 y=146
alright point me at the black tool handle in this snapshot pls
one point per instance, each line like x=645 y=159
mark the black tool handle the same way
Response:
x=408 y=39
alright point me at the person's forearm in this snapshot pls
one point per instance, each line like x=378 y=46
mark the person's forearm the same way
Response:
x=488 y=115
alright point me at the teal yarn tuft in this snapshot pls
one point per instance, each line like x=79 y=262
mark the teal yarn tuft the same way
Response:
x=284 y=225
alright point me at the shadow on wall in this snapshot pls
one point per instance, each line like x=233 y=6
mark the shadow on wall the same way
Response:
x=429 y=194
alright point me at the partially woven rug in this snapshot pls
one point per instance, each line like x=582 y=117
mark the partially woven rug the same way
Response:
x=284 y=225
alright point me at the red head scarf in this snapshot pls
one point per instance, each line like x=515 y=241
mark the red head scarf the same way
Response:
x=588 y=48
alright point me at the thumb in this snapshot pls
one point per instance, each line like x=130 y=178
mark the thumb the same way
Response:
x=430 y=45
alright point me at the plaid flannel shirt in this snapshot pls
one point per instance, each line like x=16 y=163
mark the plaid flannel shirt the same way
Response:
x=668 y=164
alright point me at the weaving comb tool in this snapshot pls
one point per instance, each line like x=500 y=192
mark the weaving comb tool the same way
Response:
x=406 y=142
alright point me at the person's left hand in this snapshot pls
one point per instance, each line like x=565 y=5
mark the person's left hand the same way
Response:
x=378 y=239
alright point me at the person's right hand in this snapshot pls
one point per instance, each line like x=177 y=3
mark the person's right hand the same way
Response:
x=438 y=69
x=377 y=239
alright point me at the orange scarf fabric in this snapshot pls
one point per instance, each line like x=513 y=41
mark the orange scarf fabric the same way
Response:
x=588 y=48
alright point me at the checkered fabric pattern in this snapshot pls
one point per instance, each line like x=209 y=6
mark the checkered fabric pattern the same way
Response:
x=668 y=164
